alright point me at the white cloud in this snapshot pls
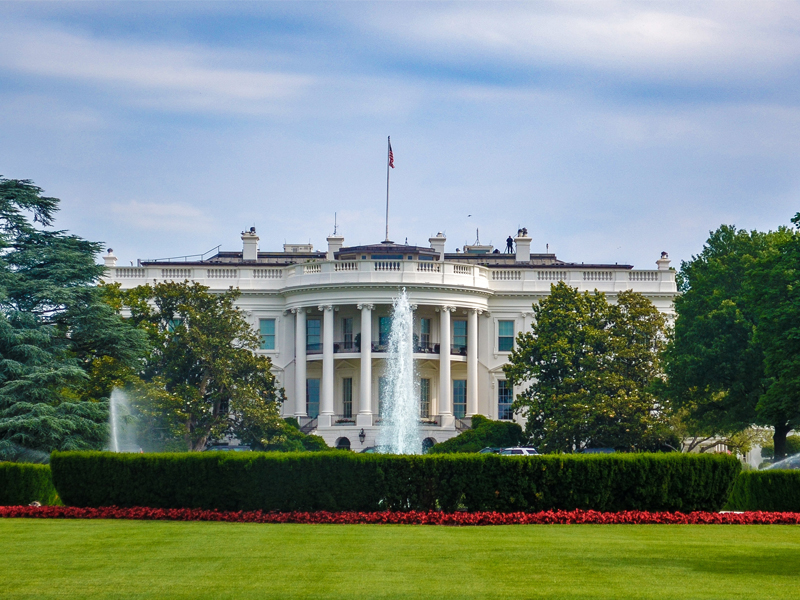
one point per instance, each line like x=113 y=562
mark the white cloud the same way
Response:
x=169 y=75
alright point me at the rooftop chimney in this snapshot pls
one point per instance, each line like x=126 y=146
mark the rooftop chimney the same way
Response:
x=663 y=262
x=335 y=243
x=523 y=245
x=109 y=259
x=250 y=244
x=437 y=243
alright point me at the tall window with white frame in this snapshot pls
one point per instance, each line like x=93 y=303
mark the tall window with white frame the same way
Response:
x=424 y=398
x=347 y=398
x=312 y=398
x=505 y=396
x=425 y=335
x=459 y=398
x=267 y=330
x=460 y=338
x=505 y=336
x=347 y=333
x=314 y=336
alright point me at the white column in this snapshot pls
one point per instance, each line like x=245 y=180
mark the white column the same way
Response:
x=445 y=385
x=326 y=393
x=299 y=362
x=364 y=417
x=472 y=363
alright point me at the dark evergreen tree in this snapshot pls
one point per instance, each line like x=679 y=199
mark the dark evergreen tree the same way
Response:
x=55 y=329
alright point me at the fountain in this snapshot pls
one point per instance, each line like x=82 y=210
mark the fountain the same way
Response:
x=400 y=432
x=121 y=423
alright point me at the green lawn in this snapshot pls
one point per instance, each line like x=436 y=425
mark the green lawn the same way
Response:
x=136 y=559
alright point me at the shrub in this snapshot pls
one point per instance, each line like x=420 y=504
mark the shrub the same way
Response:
x=773 y=490
x=344 y=481
x=23 y=483
x=484 y=433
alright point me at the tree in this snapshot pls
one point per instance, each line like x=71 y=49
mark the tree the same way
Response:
x=203 y=356
x=717 y=370
x=590 y=368
x=55 y=329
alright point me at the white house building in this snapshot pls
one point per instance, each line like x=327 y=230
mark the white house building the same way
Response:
x=324 y=320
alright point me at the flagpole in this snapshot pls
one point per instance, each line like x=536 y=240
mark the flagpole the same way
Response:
x=389 y=145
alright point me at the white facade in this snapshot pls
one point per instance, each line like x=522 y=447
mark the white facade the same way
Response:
x=315 y=310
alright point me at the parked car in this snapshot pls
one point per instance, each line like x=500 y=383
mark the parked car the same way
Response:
x=226 y=448
x=598 y=451
x=793 y=462
x=520 y=451
x=490 y=450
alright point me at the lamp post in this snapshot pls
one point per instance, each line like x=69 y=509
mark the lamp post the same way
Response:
x=361 y=435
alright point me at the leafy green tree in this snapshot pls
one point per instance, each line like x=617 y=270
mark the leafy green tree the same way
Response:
x=589 y=368
x=734 y=305
x=55 y=329
x=483 y=433
x=203 y=357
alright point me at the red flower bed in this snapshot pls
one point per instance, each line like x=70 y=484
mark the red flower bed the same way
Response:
x=405 y=518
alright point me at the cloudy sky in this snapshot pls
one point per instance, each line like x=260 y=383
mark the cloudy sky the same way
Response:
x=611 y=130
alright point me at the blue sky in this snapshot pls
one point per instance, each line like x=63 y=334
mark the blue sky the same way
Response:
x=611 y=130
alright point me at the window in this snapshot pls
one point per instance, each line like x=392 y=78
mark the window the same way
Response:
x=459 y=336
x=312 y=398
x=314 y=335
x=347 y=397
x=424 y=398
x=384 y=327
x=347 y=333
x=460 y=398
x=267 y=327
x=505 y=336
x=505 y=396
x=425 y=334
x=383 y=390
x=173 y=324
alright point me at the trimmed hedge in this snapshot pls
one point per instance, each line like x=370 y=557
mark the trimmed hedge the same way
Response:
x=22 y=483
x=343 y=481
x=773 y=490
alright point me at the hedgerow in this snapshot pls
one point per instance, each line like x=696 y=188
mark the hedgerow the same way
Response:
x=342 y=481
x=773 y=490
x=23 y=483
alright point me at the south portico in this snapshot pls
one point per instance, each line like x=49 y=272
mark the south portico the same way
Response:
x=341 y=353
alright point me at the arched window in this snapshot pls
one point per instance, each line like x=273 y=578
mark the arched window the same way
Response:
x=427 y=444
x=343 y=444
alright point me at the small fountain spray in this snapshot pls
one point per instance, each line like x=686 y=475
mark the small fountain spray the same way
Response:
x=400 y=432
x=121 y=423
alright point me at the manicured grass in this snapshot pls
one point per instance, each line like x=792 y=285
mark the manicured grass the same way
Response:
x=146 y=559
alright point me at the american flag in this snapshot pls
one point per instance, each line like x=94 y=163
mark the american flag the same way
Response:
x=391 y=154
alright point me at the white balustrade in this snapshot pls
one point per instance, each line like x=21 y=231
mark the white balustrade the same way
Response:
x=387 y=265
x=345 y=266
x=222 y=273
x=130 y=273
x=643 y=276
x=506 y=275
x=267 y=273
x=598 y=275
x=176 y=273
x=312 y=269
x=552 y=275
x=429 y=267
x=462 y=269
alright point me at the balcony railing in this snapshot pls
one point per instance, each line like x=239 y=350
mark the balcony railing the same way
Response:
x=458 y=349
x=313 y=348
x=346 y=346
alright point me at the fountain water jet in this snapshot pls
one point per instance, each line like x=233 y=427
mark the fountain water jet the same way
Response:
x=121 y=424
x=400 y=432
